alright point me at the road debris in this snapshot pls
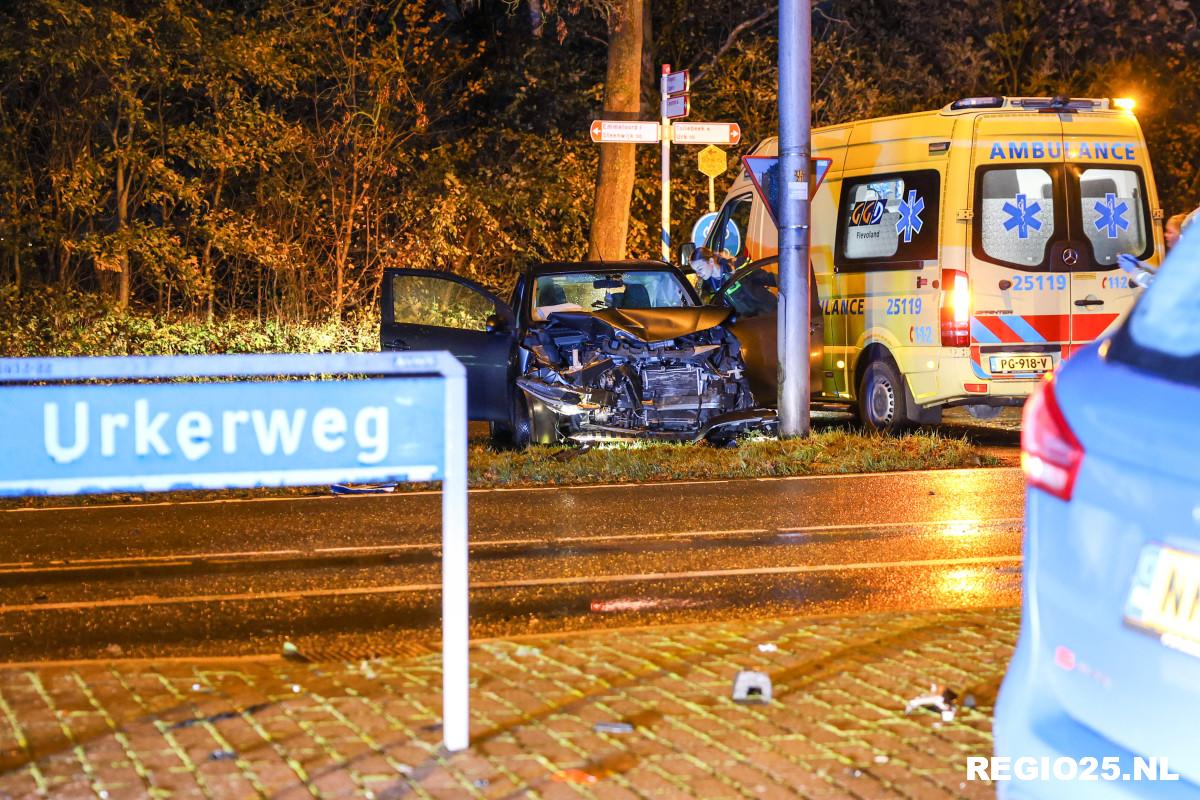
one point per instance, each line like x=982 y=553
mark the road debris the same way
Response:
x=222 y=755
x=524 y=651
x=939 y=698
x=612 y=727
x=292 y=653
x=620 y=604
x=574 y=776
x=768 y=647
x=751 y=687
x=362 y=488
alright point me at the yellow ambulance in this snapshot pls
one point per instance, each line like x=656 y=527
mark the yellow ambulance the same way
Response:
x=958 y=254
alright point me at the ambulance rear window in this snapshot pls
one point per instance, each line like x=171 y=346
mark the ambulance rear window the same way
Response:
x=1114 y=218
x=1016 y=215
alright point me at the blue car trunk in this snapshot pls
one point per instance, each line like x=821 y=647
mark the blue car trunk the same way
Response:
x=1110 y=570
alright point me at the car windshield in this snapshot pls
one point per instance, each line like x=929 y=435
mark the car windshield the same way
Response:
x=591 y=291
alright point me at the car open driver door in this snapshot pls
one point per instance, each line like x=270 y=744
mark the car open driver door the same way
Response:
x=430 y=310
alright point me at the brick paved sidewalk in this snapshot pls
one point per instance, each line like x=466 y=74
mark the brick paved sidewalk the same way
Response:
x=836 y=728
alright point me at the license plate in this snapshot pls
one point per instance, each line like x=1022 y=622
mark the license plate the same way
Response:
x=1165 y=595
x=1021 y=363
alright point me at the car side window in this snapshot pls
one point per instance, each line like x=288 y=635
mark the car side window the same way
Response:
x=755 y=293
x=438 y=302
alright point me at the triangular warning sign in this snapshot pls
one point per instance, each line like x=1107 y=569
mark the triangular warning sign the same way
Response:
x=764 y=174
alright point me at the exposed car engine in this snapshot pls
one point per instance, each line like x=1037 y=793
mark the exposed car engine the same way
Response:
x=621 y=373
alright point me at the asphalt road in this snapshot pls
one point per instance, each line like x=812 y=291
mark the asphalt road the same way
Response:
x=359 y=576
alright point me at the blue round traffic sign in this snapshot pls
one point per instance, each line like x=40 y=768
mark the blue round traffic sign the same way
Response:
x=733 y=237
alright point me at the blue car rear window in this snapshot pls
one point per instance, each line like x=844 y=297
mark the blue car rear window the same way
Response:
x=1162 y=334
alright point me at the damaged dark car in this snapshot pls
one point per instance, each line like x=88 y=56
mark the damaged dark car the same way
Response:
x=582 y=352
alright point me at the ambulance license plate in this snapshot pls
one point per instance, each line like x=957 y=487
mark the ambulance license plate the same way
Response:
x=1020 y=362
x=1164 y=596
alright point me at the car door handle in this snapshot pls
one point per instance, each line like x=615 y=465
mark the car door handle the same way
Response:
x=1089 y=301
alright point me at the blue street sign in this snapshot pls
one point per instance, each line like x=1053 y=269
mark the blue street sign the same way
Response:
x=733 y=237
x=302 y=420
x=77 y=425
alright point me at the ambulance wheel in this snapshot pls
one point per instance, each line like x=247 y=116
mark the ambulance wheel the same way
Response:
x=533 y=423
x=881 y=398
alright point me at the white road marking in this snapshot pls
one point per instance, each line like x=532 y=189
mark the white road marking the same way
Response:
x=151 y=600
x=503 y=489
x=189 y=559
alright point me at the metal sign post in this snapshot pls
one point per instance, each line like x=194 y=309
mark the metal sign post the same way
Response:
x=82 y=425
x=795 y=87
x=665 y=181
x=712 y=162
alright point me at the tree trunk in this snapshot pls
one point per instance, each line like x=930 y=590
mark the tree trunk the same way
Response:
x=651 y=95
x=622 y=88
x=122 y=201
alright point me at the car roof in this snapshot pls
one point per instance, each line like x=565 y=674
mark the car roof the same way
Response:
x=559 y=267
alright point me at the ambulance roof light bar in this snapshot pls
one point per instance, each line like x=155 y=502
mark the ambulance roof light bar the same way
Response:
x=1059 y=103
x=977 y=102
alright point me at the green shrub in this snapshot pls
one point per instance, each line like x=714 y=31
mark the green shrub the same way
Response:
x=51 y=322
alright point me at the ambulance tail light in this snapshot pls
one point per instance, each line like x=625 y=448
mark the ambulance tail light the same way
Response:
x=1050 y=453
x=956 y=308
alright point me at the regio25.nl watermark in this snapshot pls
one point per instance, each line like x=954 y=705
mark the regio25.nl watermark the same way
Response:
x=1066 y=768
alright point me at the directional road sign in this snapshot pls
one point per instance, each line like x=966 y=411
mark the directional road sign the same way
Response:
x=607 y=130
x=676 y=106
x=676 y=82
x=764 y=174
x=706 y=132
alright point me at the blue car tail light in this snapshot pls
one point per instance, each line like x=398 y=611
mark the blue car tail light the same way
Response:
x=1050 y=453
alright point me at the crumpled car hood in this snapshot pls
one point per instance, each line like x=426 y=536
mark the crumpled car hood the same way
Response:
x=647 y=324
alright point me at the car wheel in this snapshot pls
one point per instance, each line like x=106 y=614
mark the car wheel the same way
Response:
x=501 y=435
x=533 y=423
x=881 y=405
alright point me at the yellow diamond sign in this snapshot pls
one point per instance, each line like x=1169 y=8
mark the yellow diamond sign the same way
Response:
x=712 y=161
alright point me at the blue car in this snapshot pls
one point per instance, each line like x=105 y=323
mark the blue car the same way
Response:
x=1103 y=691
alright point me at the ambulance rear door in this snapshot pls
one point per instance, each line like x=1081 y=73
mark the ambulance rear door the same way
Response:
x=1019 y=264
x=1110 y=208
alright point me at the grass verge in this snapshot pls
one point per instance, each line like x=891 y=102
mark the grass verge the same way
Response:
x=823 y=453
x=827 y=452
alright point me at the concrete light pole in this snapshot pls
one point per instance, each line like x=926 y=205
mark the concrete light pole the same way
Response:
x=795 y=150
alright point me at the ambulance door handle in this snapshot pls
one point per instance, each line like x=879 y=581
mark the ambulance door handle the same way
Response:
x=1089 y=301
x=1005 y=285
